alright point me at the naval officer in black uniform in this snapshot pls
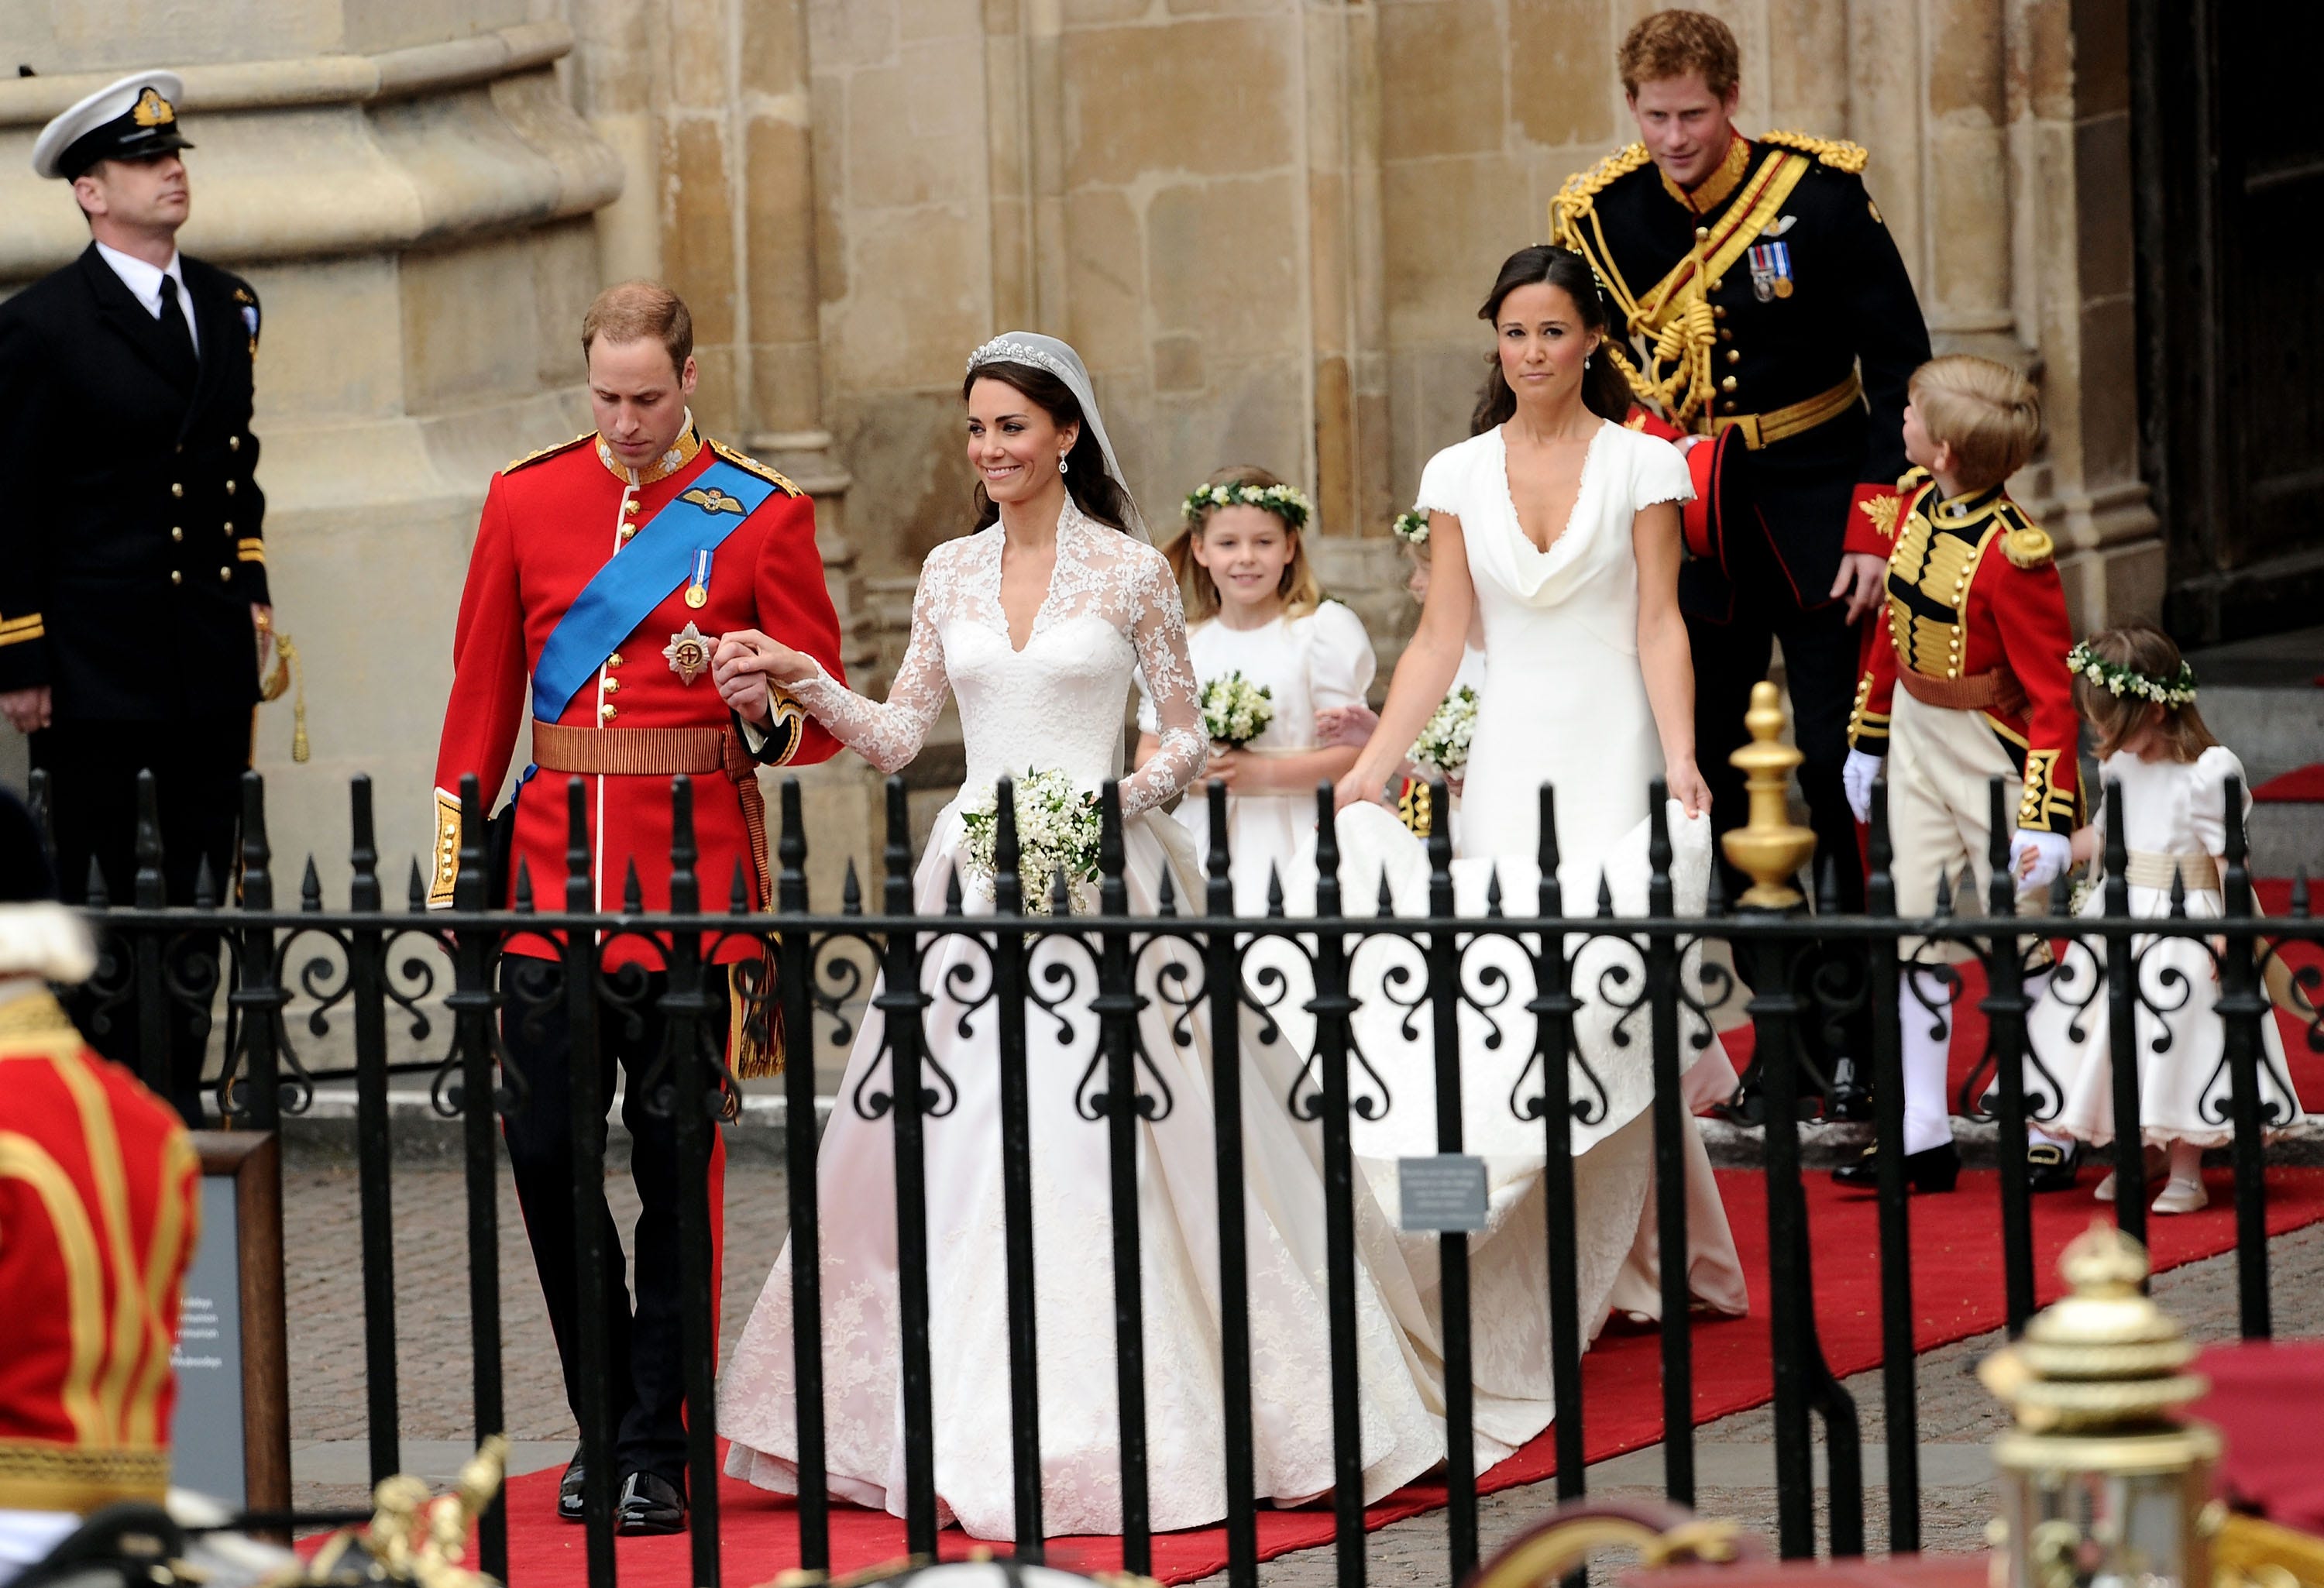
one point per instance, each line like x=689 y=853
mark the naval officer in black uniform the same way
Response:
x=134 y=611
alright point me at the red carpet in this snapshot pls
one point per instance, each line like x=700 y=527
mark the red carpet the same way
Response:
x=1956 y=1290
x=2301 y=786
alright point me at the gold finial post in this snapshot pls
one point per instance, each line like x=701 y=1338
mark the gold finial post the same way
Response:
x=1768 y=847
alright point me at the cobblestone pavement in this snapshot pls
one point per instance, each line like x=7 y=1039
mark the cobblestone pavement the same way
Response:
x=1734 y=1456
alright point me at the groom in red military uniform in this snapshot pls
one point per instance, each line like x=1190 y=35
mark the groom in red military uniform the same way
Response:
x=605 y=573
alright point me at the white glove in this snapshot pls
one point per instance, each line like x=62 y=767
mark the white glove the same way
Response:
x=1856 y=775
x=2053 y=853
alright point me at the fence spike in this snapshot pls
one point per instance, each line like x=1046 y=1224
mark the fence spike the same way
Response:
x=363 y=848
x=1493 y=891
x=1221 y=885
x=1327 y=852
x=146 y=886
x=523 y=886
x=415 y=891
x=98 y=899
x=2177 y=894
x=1274 y=891
x=206 y=888
x=2300 y=892
x=898 y=890
x=311 y=888
x=1061 y=894
x=685 y=891
x=952 y=889
x=790 y=886
x=1828 y=887
x=1007 y=855
x=633 y=901
x=1113 y=892
x=1605 y=893
x=1387 y=899
x=468 y=879
x=579 y=896
x=738 y=890
x=1944 y=906
x=1714 y=893
x=851 y=891
x=1166 y=902
x=257 y=855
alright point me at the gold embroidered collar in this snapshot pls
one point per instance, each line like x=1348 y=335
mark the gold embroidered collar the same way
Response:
x=1720 y=186
x=1960 y=512
x=689 y=442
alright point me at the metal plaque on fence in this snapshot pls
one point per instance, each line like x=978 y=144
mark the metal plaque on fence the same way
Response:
x=1445 y=1193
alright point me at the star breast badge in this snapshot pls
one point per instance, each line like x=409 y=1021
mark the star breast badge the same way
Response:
x=711 y=499
x=688 y=654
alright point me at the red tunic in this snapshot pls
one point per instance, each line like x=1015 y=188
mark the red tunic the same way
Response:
x=99 y=1201
x=1972 y=590
x=549 y=523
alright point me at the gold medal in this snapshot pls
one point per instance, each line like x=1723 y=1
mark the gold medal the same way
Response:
x=1782 y=285
x=695 y=595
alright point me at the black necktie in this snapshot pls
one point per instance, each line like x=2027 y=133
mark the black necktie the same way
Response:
x=174 y=328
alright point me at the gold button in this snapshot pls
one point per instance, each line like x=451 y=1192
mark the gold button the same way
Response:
x=177 y=533
x=614 y=660
x=632 y=505
x=1716 y=283
x=229 y=526
x=1725 y=335
x=1728 y=384
x=628 y=530
x=1702 y=234
x=1734 y=355
x=613 y=686
x=1725 y=407
x=1718 y=311
x=226 y=575
x=607 y=711
x=229 y=487
x=233 y=443
x=176 y=489
x=176 y=577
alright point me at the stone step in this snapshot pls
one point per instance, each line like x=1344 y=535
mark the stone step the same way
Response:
x=2260 y=697
x=2287 y=837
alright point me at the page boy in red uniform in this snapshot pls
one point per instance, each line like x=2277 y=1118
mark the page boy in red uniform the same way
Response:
x=604 y=572
x=1969 y=682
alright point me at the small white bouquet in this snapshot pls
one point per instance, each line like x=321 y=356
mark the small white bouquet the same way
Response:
x=1443 y=744
x=1235 y=711
x=1056 y=831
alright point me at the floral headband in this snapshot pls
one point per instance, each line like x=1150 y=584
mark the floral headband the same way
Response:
x=1288 y=503
x=2118 y=680
x=1411 y=528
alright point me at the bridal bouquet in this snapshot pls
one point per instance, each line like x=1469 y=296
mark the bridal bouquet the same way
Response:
x=1056 y=831
x=1235 y=711
x=1443 y=744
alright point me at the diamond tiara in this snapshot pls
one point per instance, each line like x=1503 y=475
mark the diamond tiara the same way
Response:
x=1002 y=350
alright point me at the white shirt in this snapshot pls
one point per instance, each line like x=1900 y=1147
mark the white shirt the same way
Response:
x=144 y=283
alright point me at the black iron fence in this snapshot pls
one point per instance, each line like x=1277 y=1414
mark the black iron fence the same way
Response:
x=291 y=973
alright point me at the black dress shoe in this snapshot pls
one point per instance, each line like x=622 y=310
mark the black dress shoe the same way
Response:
x=1934 y=1168
x=2050 y=1168
x=569 y=1504
x=1850 y=1097
x=648 y=1505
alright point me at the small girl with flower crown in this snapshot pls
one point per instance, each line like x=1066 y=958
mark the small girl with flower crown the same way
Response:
x=2138 y=693
x=1257 y=621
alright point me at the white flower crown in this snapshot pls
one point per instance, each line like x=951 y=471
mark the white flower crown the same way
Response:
x=2118 y=680
x=1288 y=503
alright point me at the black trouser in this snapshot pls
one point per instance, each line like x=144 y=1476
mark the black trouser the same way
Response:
x=1820 y=654
x=644 y=1361
x=198 y=764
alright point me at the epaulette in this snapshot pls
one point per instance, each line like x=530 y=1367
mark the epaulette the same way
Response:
x=2025 y=543
x=1911 y=480
x=1836 y=153
x=530 y=459
x=751 y=465
x=1584 y=185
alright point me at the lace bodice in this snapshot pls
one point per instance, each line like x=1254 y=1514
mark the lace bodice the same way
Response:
x=1111 y=612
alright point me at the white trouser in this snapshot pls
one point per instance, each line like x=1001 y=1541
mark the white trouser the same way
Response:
x=1926 y=1018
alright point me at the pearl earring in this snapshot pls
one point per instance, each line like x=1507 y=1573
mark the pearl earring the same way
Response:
x=1061 y=465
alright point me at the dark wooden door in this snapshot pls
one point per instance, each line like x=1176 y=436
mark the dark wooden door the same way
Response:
x=2229 y=139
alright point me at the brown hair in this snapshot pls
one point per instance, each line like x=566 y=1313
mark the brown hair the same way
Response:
x=2142 y=649
x=1095 y=491
x=1673 y=43
x=1605 y=388
x=1986 y=412
x=1300 y=593
x=631 y=311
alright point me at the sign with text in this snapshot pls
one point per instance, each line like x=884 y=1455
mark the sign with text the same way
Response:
x=231 y=1437
x=206 y=1453
x=1445 y=1193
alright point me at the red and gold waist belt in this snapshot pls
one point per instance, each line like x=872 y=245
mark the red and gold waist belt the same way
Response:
x=1990 y=691
x=633 y=753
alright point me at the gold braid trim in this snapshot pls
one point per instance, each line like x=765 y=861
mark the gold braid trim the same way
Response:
x=749 y=465
x=533 y=458
x=39 y=1475
x=1836 y=153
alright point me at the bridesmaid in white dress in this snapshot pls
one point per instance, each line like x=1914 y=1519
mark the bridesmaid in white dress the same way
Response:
x=1035 y=622
x=1561 y=527
x=1253 y=607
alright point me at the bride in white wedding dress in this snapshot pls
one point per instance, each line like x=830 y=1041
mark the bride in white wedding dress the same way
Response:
x=1560 y=528
x=1036 y=624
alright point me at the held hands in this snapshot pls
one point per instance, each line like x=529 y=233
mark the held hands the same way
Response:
x=1345 y=725
x=2039 y=858
x=744 y=665
x=1857 y=776
x=1863 y=579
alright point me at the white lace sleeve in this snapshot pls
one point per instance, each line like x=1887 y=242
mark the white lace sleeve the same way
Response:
x=1159 y=630
x=888 y=734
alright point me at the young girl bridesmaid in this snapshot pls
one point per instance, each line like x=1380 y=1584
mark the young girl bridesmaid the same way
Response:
x=2138 y=696
x=1253 y=607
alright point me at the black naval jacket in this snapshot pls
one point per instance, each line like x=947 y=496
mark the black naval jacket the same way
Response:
x=133 y=553
x=1844 y=303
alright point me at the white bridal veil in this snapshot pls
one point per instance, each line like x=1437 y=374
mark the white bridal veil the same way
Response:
x=1060 y=360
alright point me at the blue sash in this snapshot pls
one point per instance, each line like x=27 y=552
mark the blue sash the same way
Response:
x=658 y=559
